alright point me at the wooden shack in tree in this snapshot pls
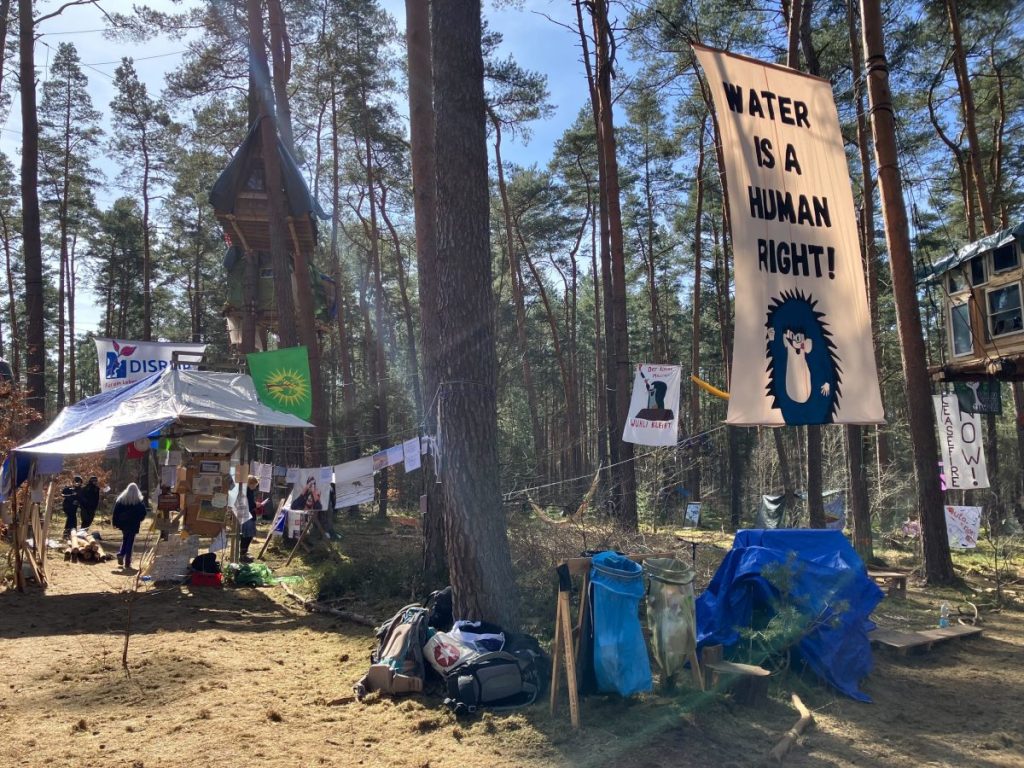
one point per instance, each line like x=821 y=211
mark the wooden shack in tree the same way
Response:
x=981 y=296
x=239 y=199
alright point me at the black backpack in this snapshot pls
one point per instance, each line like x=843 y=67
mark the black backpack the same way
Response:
x=206 y=563
x=514 y=677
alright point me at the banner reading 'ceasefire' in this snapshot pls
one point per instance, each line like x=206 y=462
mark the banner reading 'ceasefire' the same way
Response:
x=803 y=352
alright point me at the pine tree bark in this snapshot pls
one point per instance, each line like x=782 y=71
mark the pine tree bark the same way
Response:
x=937 y=560
x=32 y=247
x=424 y=182
x=287 y=333
x=625 y=471
x=963 y=78
x=698 y=264
x=479 y=559
x=872 y=263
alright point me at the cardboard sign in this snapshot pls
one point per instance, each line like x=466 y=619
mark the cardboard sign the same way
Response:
x=168 y=502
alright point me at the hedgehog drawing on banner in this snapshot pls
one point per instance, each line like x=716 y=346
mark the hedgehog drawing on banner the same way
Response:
x=804 y=375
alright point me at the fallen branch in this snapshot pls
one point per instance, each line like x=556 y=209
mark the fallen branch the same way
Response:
x=806 y=718
x=316 y=607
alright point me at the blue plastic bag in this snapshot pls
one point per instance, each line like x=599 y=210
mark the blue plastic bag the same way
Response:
x=620 y=654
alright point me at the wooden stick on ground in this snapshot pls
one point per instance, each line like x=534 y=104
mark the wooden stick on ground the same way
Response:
x=806 y=718
x=316 y=607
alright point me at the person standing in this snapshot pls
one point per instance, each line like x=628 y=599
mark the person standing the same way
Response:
x=88 y=499
x=248 y=530
x=69 y=505
x=128 y=513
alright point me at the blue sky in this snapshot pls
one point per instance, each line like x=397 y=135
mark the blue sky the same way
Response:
x=537 y=43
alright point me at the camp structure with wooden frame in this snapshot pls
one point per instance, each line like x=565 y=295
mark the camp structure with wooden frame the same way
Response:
x=241 y=205
x=179 y=403
x=982 y=290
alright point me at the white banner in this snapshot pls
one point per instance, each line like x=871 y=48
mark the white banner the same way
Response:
x=960 y=440
x=125 y=362
x=654 y=407
x=803 y=352
x=353 y=483
x=962 y=525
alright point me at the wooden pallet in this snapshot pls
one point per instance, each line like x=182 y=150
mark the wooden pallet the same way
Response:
x=894 y=581
x=902 y=642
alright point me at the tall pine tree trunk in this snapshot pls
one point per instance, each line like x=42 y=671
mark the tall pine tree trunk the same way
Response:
x=625 y=471
x=421 y=139
x=286 y=330
x=938 y=563
x=32 y=247
x=479 y=560
x=698 y=259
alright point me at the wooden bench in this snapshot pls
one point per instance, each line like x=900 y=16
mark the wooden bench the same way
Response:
x=748 y=683
x=902 y=642
x=894 y=581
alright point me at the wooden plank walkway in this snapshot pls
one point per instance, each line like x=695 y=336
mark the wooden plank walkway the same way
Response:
x=901 y=642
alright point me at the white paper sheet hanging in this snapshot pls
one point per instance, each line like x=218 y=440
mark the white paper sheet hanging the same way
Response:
x=411 y=449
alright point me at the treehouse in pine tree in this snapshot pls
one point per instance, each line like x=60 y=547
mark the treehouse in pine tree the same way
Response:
x=240 y=202
x=982 y=308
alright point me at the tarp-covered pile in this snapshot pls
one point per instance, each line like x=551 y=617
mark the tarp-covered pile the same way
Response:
x=827 y=580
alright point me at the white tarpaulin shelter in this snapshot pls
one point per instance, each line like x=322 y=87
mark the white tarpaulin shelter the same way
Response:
x=112 y=419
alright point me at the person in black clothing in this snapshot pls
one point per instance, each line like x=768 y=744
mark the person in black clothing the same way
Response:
x=70 y=507
x=128 y=513
x=248 y=530
x=88 y=499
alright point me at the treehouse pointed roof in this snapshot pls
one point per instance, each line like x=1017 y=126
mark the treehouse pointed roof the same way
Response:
x=239 y=197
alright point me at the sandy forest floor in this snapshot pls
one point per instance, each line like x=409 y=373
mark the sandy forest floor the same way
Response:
x=243 y=677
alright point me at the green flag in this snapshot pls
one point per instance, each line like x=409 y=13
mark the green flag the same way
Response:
x=282 y=380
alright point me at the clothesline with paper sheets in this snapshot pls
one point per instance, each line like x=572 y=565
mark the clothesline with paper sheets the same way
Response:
x=352 y=480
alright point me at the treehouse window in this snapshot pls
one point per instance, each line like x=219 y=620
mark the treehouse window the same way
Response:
x=267 y=273
x=957 y=281
x=1005 y=258
x=1004 y=310
x=960 y=322
x=977 y=267
x=256 y=182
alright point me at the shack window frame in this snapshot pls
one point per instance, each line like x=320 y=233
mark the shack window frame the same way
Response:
x=961 y=305
x=990 y=315
x=1009 y=248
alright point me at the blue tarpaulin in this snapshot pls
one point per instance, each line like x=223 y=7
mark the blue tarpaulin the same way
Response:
x=829 y=583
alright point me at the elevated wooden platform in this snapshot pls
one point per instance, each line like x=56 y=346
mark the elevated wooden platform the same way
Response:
x=902 y=642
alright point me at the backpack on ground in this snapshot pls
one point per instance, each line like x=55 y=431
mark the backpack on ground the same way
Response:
x=513 y=677
x=397 y=660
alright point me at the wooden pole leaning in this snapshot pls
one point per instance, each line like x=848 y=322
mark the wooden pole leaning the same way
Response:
x=564 y=645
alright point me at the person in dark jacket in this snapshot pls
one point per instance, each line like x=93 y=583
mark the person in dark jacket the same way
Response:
x=69 y=505
x=128 y=513
x=88 y=499
x=248 y=530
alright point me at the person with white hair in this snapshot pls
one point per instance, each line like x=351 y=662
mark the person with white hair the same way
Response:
x=128 y=513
